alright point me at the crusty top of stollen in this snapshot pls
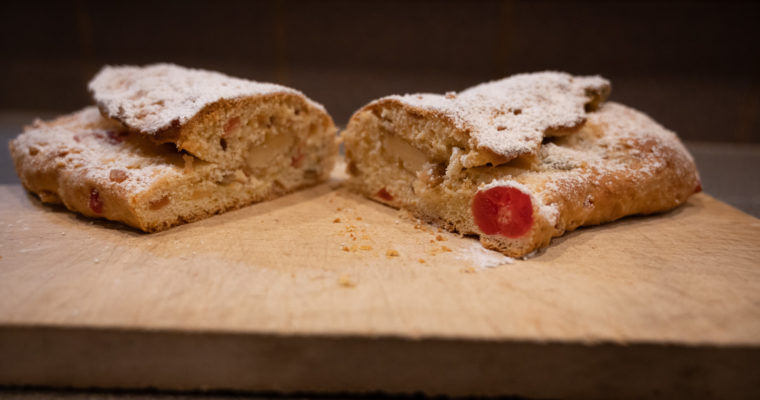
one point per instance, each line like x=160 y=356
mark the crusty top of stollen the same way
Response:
x=86 y=144
x=511 y=116
x=159 y=96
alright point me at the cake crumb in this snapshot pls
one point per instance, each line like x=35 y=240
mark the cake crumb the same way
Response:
x=188 y=159
x=336 y=220
x=365 y=247
x=346 y=281
x=440 y=238
x=391 y=253
x=358 y=218
x=345 y=248
x=421 y=261
x=468 y=270
x=445 y=249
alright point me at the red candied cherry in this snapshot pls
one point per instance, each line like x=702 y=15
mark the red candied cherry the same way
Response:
x=699 y=186
x=96 y=205
x=383 y=194
x=503 y=210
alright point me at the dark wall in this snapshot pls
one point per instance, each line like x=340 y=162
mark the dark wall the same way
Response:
x=692 y=66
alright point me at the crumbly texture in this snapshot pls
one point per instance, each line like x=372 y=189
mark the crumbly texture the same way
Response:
x=212 y=116
x=616 y=162
x=99 y=168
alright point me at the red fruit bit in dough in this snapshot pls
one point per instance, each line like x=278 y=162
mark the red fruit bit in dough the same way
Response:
x=231 y=125
x=503 y=210
x=297 y=159
x=115 y=137
x=383 y=194
x=96 y=205
x=699 y=187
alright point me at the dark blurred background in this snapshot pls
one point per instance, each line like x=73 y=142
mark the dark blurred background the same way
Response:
x=693 y=66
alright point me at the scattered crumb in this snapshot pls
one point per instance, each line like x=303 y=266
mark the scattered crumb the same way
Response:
x=336 y=220
x=366 y=237
x=445 y=249
x=358 y=218
x=468 y=270
x=346 y=281
x=432 y=241
x=345 y=248
x=339 y=209
x=421 y=260
x=391 y=253
x=365 y=247
x=440 y=238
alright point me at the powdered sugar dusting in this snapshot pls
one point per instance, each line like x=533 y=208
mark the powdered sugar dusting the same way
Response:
x=158 y=96
x=86 y=144
x=483 y=258
x=511 y=116
x=621 y=142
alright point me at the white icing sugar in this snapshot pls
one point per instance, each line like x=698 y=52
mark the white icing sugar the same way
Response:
x=511 y=116
x=482 y=257
x=158 y=96
x=575 y=166
x=86 y=144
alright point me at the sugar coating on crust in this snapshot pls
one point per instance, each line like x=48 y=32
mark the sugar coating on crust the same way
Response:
x=511 y=116
x=97 y=167
x=159 y=96
x=95 y=146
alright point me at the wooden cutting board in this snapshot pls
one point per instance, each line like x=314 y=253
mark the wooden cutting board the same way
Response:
x=306 y=293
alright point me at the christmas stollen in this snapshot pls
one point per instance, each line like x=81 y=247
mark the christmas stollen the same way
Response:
x=167 y=145
x=517 y=161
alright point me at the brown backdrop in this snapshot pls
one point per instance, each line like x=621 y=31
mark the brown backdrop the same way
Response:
x=692 y=66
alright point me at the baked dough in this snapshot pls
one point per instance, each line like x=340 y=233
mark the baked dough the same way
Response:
x=517 y=161
x=162 y=165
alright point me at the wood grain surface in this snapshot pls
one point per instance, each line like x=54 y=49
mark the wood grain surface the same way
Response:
x=306 y=292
